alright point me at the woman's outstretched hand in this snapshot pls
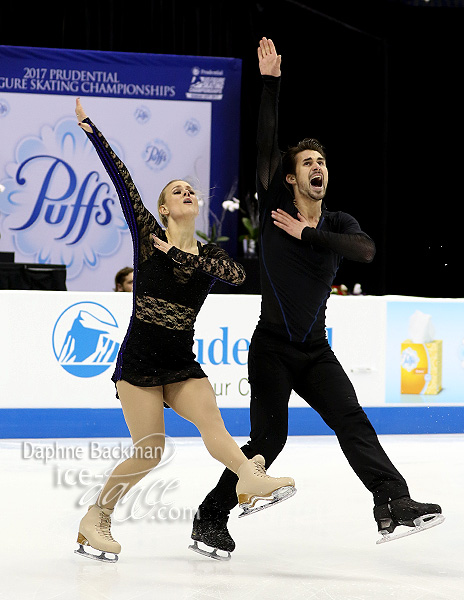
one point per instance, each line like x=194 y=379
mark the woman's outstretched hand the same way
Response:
x=80 y=114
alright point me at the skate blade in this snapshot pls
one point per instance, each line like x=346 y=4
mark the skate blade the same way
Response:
x=213 y=554
x=279 y=495
x=420 y=524
x=100 y=557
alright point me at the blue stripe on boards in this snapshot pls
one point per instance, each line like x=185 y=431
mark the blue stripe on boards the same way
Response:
x=109 y=422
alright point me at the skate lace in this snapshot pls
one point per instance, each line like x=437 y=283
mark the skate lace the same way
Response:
x=104 y=526
x=260 y=471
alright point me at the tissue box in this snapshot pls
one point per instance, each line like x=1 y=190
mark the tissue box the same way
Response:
x=421 y=367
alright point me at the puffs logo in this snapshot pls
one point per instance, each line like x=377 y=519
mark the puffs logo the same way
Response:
x=57 y=207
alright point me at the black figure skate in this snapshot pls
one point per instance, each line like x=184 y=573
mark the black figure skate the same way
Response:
x=404 y=511
x=210 y=528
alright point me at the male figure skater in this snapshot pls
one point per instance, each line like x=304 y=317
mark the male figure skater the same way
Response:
x=301 y=246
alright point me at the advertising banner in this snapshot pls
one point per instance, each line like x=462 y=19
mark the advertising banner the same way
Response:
x=405 y=358
x=167 y=117
x=425 y=352
x=58 y=350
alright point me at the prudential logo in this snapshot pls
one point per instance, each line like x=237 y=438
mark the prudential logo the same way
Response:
x=85 y=339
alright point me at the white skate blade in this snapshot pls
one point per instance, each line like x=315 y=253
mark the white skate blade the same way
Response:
x=100 y=557
x=279 y=495
x=211 y=554
x=419 y=525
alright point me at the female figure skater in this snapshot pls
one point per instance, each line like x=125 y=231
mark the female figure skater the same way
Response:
x=173 y=274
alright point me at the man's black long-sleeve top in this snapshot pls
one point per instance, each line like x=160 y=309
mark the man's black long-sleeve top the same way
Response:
x=296 y=275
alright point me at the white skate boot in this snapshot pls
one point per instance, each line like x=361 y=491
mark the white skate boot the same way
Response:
x=94 y=531
x=254 y=485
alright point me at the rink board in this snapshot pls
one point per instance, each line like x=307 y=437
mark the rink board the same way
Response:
x=100 y=423
x=56 y=382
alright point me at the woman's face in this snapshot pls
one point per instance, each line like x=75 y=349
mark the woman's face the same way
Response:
x=180 y=201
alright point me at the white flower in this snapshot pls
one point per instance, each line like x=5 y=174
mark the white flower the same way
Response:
x=229 y=205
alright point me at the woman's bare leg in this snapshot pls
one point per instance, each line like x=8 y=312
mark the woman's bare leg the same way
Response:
x=143 y=412
x=194 y=400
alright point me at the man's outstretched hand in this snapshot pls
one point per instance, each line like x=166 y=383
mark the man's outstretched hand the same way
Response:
x=269 y=60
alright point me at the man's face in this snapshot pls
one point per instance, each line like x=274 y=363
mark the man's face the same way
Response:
x=311 y=174
x=126 y=285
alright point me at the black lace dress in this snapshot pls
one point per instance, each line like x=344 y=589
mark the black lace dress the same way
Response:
x=169 y=289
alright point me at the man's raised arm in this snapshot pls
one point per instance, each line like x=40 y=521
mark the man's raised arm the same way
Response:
x=267 y=140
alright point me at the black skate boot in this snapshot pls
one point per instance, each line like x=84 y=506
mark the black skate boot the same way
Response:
x=210 y=528
x=404 y=511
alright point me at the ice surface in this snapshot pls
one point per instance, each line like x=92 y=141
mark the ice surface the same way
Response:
x=319 y=545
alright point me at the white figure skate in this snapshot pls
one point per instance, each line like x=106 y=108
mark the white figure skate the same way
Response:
x=255 y=485
x=94 y=531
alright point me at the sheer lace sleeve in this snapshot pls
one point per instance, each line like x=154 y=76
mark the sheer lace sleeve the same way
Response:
x=139 y=218
x=350 y=242
x=269 y=156
x=216 y=263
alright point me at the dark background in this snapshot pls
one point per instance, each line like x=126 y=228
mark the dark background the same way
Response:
x=378 y=82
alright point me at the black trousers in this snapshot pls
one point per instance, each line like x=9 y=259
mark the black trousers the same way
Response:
x=276 y=367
